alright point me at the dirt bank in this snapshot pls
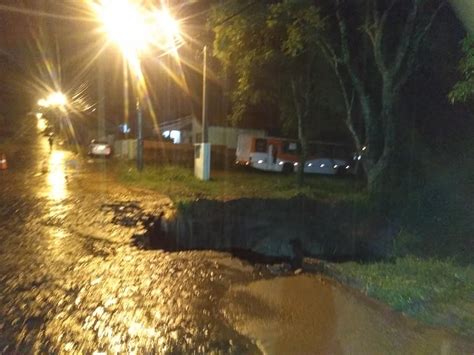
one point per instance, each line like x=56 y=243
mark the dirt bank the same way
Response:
x=281 y=228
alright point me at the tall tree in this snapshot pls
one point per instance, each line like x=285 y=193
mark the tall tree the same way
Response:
x=394 y=32
x=372 y=47
x=272 y=51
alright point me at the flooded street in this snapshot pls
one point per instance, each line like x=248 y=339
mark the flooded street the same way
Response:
x=72 y=281
x=310 y=314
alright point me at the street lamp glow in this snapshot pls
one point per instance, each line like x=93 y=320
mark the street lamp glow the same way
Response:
x=43 y=103
x=41 y=124
x=57 y=99
x=135 y=29
x=168 y=33
x=166 y=23
x=126 y=24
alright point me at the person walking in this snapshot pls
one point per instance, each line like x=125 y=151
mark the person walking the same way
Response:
x=50 y=141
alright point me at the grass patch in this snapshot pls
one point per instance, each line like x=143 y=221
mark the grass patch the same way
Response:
x=433 y=291
x=180 y=184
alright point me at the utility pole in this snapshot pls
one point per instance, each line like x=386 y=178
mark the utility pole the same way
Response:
x=101 y=99
x=202 y=153
x=126 y=110
x=204 y=97
x=139 y=135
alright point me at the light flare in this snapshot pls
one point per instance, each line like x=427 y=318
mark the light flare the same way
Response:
x=126 y=24
x=55 y=99
x=41 y=124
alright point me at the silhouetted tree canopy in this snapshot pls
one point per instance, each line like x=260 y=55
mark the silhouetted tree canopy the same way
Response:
x=372 y=47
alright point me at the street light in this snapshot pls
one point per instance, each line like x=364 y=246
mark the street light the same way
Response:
x=55 y=100
x=126 y=24
x=136 y=31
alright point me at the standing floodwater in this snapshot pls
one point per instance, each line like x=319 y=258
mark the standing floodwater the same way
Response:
x=311 y=314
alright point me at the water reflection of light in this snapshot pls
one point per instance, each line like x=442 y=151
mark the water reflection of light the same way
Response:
x=57 y=176
x=58 y=234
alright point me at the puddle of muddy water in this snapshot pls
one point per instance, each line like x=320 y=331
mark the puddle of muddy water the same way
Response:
x=310 y=314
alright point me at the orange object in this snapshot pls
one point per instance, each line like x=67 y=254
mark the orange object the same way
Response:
x=3 y=162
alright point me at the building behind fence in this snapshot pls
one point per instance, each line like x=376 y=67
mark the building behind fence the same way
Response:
x=165 y=153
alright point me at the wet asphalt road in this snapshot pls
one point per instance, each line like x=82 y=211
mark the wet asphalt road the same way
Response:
x=71 y=281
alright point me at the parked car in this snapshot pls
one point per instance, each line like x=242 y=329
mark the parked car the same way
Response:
x=282 y=155
x=101 y=149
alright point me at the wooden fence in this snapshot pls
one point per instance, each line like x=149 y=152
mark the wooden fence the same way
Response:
x=183 y=154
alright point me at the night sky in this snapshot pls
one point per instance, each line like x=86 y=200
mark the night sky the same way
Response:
x=57 y=50
x=53 y=45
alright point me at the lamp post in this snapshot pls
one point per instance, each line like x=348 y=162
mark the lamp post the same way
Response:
x=143 y=30
x=202 y=154
x=139 y=135
x=204 y=96
x=101 y=99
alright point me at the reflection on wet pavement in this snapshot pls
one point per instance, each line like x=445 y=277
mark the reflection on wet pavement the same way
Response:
x=70 y=281
x=57 y=176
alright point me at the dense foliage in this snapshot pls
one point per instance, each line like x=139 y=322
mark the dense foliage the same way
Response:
x=272 y=53
x=372 y=48
x=464 y=89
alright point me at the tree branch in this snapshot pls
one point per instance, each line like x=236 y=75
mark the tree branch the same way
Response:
x=334 y=61
x=375 y=33
x=427 y=27
x=379 y=31
x=406 y=38
x=345 y=58
x=414 y=48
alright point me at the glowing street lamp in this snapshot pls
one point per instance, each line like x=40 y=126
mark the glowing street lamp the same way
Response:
x=167 y=31
x=43 y=103
x=136 y=30
x=55 y=99
x=126 y=24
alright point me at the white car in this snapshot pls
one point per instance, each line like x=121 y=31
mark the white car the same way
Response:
x=102 y=149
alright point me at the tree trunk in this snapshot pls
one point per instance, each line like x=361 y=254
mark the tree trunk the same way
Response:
x=384 y=172
x=302 y=158
x=301 y=134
